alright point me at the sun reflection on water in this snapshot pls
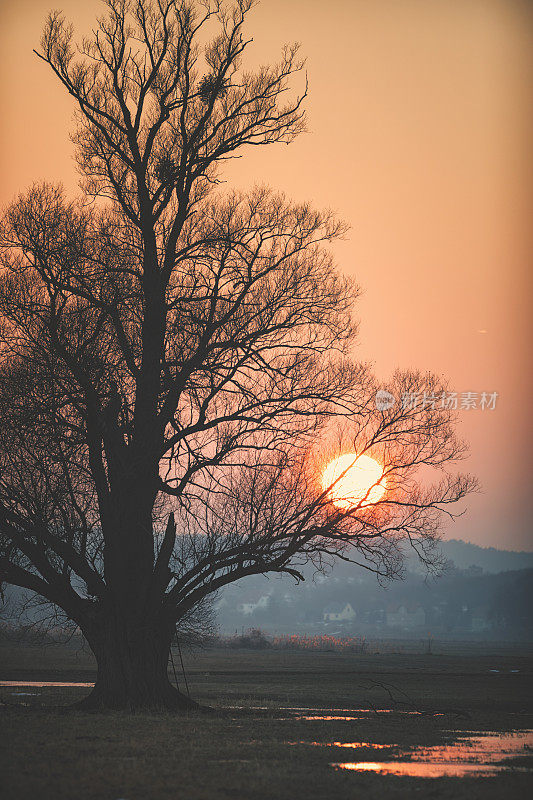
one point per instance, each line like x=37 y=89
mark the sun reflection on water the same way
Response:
x=476 y=756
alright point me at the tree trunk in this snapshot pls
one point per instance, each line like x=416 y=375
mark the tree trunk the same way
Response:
x=132 y=664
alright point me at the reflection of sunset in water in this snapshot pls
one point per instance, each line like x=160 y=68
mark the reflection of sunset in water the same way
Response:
x=60 y=684
x=474 y=756
x=370 y=745
x=415 y=769
x=328 y=718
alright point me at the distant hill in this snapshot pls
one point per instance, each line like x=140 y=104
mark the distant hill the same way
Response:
x=490 y=559
x=463 y=554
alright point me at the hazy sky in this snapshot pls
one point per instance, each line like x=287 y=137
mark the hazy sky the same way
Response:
x=420 y=133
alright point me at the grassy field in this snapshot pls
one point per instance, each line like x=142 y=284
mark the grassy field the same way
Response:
x=253 y=747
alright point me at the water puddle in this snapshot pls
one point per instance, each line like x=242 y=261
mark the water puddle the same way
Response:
x=59 y=684
x=328 y=718
x=327 y=714
x=413 y=769
x=355 y=745
x=348 y=713
x=471 y=755
x=371 y=745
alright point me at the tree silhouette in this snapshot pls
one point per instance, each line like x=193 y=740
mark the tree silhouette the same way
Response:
x=176 y=360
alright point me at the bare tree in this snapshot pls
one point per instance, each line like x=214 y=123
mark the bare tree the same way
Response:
x=176 y=361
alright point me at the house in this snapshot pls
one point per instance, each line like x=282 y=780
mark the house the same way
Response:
x=405 y=615
x=338 y=612
x=250 y=606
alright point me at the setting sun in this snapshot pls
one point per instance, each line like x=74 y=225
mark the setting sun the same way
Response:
x=361 y=484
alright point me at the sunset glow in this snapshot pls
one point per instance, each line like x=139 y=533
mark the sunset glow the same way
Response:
x=361 y=484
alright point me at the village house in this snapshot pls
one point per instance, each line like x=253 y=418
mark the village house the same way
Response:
x=338 y=612
x=251 y=606
x=405 y=615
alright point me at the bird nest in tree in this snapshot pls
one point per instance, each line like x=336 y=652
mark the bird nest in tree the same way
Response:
x=166 y=170
x=211 y=86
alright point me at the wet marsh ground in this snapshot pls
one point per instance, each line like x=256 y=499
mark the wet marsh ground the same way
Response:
x=282 y=721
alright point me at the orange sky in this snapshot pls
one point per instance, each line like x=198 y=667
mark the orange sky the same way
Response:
x=420 y=131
